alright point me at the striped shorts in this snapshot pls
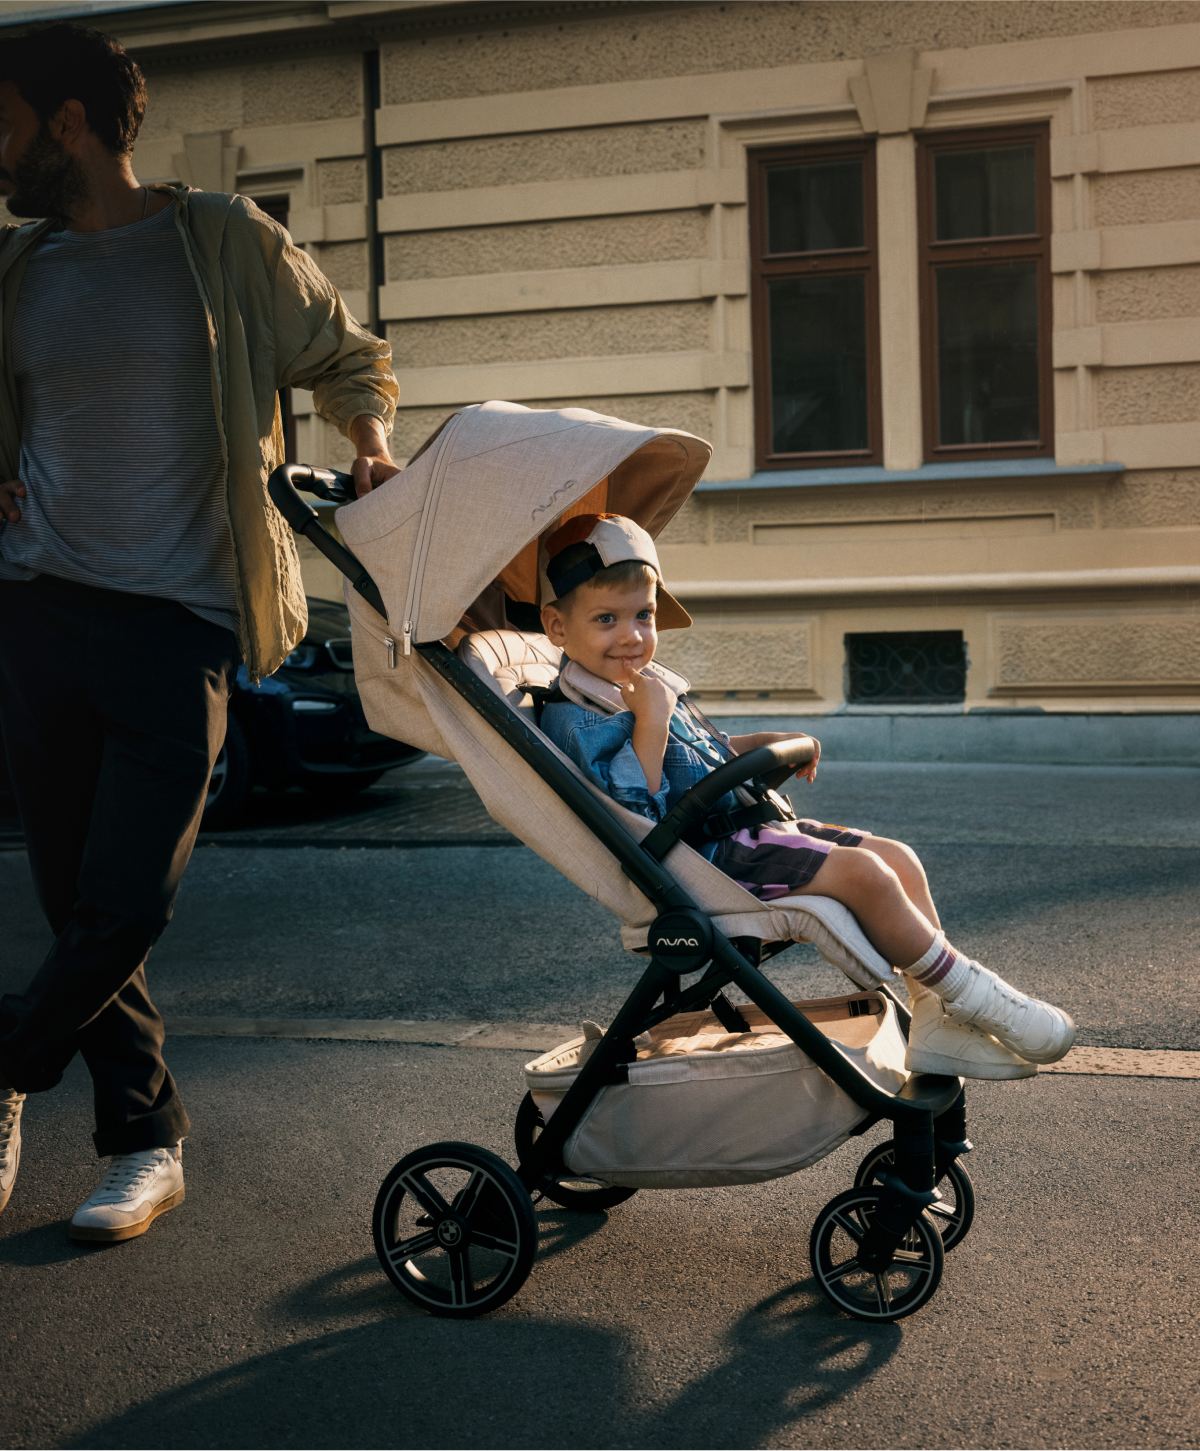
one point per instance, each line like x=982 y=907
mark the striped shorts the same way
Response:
x=773 y=860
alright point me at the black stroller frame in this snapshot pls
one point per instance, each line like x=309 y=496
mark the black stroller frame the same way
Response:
x=886 y=1218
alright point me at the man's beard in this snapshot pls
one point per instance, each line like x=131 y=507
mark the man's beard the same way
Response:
x=47 y=181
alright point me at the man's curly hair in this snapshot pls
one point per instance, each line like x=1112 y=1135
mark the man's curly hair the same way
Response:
x=57 y=63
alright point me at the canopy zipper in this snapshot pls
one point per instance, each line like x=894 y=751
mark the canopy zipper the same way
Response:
x=431 y=498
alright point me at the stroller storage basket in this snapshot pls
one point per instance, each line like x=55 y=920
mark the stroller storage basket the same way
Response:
x=704 y=1106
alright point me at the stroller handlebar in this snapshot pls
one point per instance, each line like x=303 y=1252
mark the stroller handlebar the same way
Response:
x=771 y=764
x=335 y=488
x=328 y=484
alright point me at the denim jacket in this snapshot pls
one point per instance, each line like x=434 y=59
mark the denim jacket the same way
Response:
x=602 y=747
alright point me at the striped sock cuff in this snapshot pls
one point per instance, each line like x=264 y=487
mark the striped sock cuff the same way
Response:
x=933 y=966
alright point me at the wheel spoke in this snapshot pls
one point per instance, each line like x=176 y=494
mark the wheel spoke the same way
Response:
x=461 y=1284
x=851 y=1226
x=416 y=1244
x=942 y=1211
x=467 y=1198
x=917 y=1258
x=425 y=1194
x=839 y=1272
x=494 y=1242
x=883 y=1293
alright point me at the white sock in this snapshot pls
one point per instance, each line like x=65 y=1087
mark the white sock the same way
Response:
x=941 y=969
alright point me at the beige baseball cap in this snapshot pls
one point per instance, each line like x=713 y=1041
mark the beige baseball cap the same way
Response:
x=613 y=539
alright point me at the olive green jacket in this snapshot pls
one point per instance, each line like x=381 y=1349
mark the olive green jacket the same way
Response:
x=274 y=321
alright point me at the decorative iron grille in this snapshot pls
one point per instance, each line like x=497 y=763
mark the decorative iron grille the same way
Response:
x=906 y=668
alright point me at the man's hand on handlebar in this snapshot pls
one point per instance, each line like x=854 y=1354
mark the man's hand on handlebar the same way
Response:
x=374 y=462
x=742 y=744
x=10 y=491
x=369 y=470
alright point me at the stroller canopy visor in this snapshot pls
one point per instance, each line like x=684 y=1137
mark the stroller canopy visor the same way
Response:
x=462 y=521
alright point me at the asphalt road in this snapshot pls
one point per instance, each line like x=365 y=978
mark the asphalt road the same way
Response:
x=256 y=1314
x=1081 y=885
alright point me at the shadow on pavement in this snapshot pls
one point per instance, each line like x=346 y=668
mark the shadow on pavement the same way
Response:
x=788 y=1356
x=44 y=1244
x=563 y=1229
x=409 y=1380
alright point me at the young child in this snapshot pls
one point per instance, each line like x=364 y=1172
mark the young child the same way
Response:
x=602 y=575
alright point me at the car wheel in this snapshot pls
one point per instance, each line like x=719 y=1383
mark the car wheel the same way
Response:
x=333 y=786
x=229 y=785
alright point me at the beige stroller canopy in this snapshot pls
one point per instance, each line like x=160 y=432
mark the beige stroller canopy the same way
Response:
x=461 y=523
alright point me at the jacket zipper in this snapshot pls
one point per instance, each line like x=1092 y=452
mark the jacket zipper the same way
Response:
x=418 y=574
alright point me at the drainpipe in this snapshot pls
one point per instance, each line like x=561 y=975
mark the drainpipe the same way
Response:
x=374 y=163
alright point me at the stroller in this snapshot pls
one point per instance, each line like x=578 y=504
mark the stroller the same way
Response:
x=686 y=1086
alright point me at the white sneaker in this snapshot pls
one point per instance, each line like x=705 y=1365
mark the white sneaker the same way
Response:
x=1031 y=1028
x=136 y=1189
x=10 y=1141
x=938 y=1045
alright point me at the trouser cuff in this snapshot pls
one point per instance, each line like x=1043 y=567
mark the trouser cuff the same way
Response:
x=161 y=1132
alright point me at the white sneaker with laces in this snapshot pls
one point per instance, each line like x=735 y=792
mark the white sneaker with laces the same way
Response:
x=135 y=1190
x=11 y=1103
x=1033 y=1029
x=937 y=1044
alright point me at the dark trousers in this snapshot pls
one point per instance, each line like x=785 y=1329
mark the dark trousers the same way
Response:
x=113 y=708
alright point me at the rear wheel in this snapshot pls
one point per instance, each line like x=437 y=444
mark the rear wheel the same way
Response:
x=454 y=1229
x=571 y=1193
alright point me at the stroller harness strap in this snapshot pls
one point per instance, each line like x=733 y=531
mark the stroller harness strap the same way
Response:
x=585 y=689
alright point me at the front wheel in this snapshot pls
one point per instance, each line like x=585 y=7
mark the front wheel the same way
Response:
x=953 y=1213
x=571 y=1193
x=454 y=1229
x=908 y=1282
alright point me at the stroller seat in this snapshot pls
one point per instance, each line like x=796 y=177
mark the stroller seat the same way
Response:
x=515 y=663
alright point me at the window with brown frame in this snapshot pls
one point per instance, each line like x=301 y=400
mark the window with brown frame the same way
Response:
x=815 y=304
x=984 y=236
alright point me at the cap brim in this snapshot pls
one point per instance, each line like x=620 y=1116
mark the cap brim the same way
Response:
x=669 y=614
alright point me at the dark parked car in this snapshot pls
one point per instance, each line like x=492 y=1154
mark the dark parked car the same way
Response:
x=302 y=726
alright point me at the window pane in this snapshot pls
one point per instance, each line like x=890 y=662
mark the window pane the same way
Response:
x=987 y=353
x=985 y=193
x=817 y=207
x=818 y=364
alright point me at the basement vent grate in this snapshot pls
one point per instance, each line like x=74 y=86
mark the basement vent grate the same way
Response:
x=906 y=668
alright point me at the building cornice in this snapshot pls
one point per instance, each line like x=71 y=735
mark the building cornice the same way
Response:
x=163 y=30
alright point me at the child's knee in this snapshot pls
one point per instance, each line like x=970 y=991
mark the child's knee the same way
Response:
x=898 y=855
x=852 y=872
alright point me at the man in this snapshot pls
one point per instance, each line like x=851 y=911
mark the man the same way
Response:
x=145 y=333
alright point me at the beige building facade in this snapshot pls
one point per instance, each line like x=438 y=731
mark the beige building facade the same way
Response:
x=636 y=207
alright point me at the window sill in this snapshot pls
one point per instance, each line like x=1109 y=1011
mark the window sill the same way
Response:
x=1021 y=468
